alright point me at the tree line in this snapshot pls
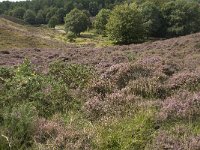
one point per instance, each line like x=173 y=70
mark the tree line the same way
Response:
x=136 y=22
x=121 y=20
x=43 y=10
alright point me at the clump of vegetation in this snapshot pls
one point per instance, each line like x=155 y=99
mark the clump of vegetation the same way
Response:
x=74 y=75
x=125 y=24
x=153 y=19
x=148 y=88
x=19 y=12
x=101 y=20
x=126 y=133
x=181 y=17
x=71 y=36
x=29 y=16
x=53 y=22
x=76 y=21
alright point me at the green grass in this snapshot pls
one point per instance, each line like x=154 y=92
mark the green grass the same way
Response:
x=87 y=37
x=132 y=132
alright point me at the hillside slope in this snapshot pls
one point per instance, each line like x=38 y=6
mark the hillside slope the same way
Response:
x=18 y=42
x=14 y=35
x=138 y=96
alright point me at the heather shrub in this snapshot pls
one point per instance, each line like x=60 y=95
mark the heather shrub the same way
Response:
x=153 y=62
x=74 y=75
x=100 y=87
x=148 y=88
x=179 y=137
x=184 y=105
x=54 y=135
x=185 y=80
x=117 y=103
x=121 y=74
x=93 y=108
x=132 y=73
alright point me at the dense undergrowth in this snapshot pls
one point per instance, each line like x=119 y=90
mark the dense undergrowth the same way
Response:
x=132 y=106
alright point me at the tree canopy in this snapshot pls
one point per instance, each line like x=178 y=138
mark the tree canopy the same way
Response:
x=76 y=21
x=101 y=20
x=125 y=24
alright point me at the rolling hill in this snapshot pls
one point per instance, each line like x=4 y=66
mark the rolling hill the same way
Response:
x=137 y=96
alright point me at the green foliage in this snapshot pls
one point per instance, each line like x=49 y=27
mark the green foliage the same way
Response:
x=76 y=21
x=48 y=94
x=18 y=126
x=29 y=16
x=125 y=24
x=53 y=22
x=18 y=12
x=93 y=8
x=74 y=75
x=126 y=133
x=153 y=19
x=71 y=36
x=1 y=11
x=50 y=13
x=181 y=17
x=60 y=14
x=101 y=20
x=40 y=18
x=148 y=88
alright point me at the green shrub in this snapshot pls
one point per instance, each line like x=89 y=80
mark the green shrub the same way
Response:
x=49 y=94
x=74 y=75
x=53 y=22
x=125 y=24
x=19 y=12
x=128 y=133
x=18 y=126
x=71 y=36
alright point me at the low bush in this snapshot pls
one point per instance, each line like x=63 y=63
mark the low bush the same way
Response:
x=184 y=105
x=74 y=75
x=18 y=126
x=54 y=135
x=148 y=88
x=178 y=137
x=185 y=80
x=125 y=133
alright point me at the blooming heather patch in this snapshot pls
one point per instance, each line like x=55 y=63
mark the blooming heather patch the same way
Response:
x=54 y=135
x=179 y=138
x=121 y=74
x=183 y=105
x=185 y=79
x=117 y=103
x=93 y=108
